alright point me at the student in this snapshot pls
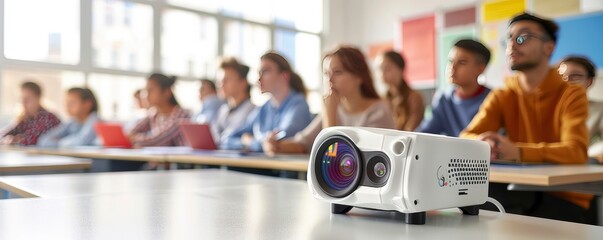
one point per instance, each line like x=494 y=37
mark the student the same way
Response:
x=210 y=102
x=351 y=101
x=34 y=121
x=82 y=107
x=287 y=110
x=543 y=117
x=161 y=127
x=236 y=90
x=582 y=71
x=407 y=104
x=454 y=108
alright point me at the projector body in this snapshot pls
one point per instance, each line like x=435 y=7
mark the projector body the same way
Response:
x=392 y=170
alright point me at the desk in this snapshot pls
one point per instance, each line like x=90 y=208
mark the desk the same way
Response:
x=570 y=178
x=16 y=162
x=101 y=153
x=182 y=155
x=233 y=159
x=546 y=175
x=271 y=210
x=73 y=185
x=96 y=152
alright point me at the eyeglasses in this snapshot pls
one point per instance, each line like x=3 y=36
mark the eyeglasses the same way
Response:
x=574 y=77
x=522 y=38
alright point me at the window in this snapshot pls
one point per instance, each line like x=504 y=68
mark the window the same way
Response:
x=303 y=52
x=203 y=5
x=248 y=43
x=187 y=94
x=113 y=45
x=258 y=10
x=122 y=36
x=54 y=85
x=120 y=104
x=47 y=31
x=189 y=44
x=302 y=15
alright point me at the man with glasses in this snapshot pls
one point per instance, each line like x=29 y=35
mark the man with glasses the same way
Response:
x=536 y=118
x=580 y=70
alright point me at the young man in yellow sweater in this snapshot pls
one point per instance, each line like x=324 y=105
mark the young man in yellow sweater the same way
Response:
x=536 y=117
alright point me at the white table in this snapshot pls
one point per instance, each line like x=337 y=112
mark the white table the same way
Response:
x=88 y=184
x=20 y=163
x=546 y=175
x=266 y=210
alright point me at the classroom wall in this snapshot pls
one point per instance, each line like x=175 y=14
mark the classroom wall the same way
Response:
x=365 y=23
x=595 y=93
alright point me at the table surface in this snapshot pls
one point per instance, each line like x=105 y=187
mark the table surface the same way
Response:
x=546 y=175
x=537 y=175
x=87 y=184
x=287 y=162
x=181 y=155
x=18 y=162
x=268 y=209
x=102 y=153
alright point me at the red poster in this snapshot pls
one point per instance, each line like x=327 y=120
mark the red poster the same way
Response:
x=418 y=48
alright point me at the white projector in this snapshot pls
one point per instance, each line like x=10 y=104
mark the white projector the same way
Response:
x=398 y=171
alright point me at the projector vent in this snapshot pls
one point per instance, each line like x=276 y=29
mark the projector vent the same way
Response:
x=464 y=172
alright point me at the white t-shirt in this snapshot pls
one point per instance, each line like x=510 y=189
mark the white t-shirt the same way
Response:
x=230 y=119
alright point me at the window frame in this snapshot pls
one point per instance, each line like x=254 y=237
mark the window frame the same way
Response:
x=86 y=65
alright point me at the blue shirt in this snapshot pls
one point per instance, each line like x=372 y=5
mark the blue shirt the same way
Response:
x=209 y=110
x=71 y=134
x=292 y=116
x=451 y=114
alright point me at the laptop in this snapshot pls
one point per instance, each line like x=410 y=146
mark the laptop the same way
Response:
x=198 y=136
x=112 y=135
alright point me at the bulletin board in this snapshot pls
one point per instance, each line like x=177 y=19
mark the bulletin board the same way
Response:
x=418 y=47
x=582 y=35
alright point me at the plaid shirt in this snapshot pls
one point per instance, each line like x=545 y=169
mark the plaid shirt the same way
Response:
x=29 y=130
x=160 y=130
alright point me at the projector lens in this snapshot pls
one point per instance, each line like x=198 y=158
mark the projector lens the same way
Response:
x=380 y=169
x=338 y=167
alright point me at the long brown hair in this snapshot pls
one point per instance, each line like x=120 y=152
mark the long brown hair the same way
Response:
x=295 y=81
x=402 y=88
x=354 y=62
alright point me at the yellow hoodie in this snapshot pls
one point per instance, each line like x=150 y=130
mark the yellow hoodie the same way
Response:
x=548 y=125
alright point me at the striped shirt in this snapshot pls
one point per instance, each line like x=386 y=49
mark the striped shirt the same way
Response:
x=160 y=129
